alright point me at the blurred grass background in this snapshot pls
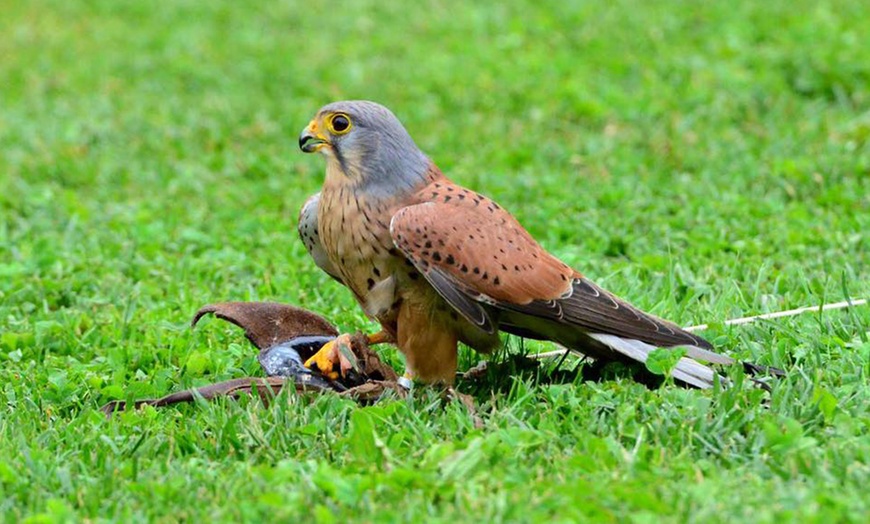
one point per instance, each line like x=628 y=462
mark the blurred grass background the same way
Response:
x=704 y=160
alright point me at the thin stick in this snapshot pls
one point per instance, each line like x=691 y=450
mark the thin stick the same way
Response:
x=743 y=320
x=780 y=314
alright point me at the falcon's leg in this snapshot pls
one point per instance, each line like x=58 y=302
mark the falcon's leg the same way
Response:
x=406 y=380
x=429 y=346
x=331 y=353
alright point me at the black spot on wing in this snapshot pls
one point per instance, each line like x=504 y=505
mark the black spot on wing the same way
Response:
x=466 y=305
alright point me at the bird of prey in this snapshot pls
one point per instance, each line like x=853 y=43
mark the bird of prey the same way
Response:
x=436 y=264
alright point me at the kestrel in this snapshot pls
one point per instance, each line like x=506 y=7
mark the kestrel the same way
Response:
x=436 y=264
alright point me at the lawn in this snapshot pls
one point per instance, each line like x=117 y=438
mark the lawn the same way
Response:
x=705 y=160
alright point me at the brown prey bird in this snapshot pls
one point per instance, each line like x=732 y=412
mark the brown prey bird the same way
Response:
x=437 y=264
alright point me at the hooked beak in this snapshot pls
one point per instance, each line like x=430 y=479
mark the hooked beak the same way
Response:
x=310 y=140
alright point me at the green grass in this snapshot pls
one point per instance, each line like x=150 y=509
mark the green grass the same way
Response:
x=704 y=160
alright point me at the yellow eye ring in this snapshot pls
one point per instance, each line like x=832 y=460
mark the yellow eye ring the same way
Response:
x=338 y=123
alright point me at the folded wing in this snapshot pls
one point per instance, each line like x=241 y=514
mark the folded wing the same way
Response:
x=482 y=262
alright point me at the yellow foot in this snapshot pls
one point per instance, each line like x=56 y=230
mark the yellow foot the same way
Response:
x=379 y=338
x=327 y=356
x=340 y=351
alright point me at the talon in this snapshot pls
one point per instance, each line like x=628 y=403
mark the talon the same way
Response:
x=331 y=353
x=340 y=351
x=324 y=359
x=346 y=359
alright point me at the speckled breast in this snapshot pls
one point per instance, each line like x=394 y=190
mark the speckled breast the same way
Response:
x=356 y=236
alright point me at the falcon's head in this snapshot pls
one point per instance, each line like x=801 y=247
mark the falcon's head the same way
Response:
x=366 y=142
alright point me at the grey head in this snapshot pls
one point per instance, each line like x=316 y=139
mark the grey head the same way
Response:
x=368 y=144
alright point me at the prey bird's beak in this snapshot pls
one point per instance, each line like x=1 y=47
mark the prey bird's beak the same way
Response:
x=310 y=140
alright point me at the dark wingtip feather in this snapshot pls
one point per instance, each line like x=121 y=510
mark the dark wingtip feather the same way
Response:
x=756 y=369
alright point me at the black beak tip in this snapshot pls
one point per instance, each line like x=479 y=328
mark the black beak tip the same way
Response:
x=308 y=143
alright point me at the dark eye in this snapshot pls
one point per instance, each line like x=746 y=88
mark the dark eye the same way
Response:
x=340 y=124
